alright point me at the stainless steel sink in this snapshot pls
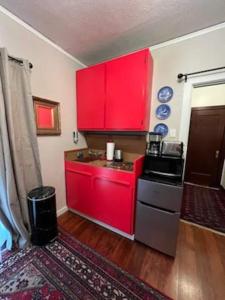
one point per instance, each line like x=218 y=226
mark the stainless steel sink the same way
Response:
x=86 y=159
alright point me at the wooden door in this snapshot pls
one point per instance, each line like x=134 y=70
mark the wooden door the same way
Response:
x=205 y=155
x=127 y=90
x=91 y=98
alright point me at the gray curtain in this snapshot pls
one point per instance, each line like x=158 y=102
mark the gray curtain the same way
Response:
x=19 y=157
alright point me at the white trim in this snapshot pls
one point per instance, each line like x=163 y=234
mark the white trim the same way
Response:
x=128 y=236
x=62 y=210
x=38 y=34
x=202 y=227
x=203 y=80
x=188 y=36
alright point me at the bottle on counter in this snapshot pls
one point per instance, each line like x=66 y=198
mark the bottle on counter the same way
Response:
x=110 y=147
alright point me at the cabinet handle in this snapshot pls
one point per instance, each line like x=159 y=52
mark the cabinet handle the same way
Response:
x=112 y=180
x=78 y=172
x=158 y=209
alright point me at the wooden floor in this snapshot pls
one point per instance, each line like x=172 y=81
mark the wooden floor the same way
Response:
x=197 y=272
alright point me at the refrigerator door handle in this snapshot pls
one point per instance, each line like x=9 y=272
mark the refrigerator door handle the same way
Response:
x=164 y=174
x=171 y=212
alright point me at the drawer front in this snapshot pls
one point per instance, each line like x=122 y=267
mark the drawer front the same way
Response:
x=78 y=166
x=156 y=228
x=160 y=195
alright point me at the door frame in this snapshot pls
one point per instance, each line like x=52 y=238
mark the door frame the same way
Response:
x=222 y=154
x=195 y=81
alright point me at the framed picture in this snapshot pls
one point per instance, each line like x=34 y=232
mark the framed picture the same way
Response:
x=47 y=116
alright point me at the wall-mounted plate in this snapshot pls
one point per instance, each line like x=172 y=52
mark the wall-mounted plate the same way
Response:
x=165 y=94
x=163 y=112
x=161 y=128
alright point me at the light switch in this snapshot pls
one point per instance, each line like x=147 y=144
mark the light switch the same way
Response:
x=173 y=132
x=75 y=137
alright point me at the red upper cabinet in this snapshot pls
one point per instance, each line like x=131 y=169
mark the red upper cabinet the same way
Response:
x=127 y=90
x=91 y=98
x=116 y=95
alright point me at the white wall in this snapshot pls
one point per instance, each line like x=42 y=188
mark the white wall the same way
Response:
x=212 y=95
x=200 y=52
x=187 y=55
x=53 y=77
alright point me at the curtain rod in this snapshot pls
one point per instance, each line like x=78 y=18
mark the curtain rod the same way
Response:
x=19 y=61
x=180 y=76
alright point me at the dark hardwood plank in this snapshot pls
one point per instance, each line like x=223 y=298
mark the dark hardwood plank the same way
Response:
x=197 y=272
x=188 y=281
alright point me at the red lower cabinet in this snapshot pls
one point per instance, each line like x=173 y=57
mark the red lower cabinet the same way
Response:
x=103 y=194
x=78 y=188
x=114 y=200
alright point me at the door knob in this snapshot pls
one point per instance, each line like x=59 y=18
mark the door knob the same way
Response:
x=217 y=153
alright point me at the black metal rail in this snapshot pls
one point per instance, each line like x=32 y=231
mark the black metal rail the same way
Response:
x=182 y=76
x=19 y=61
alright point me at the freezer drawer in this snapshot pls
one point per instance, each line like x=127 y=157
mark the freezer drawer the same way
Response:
x=160 y=195
x=157 y=228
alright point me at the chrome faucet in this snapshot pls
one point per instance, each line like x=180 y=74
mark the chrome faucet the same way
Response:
x=80 y=154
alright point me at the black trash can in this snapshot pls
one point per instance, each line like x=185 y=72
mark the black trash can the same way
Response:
x=42 y=213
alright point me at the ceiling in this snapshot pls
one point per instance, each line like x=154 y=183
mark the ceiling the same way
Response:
x=96 y=30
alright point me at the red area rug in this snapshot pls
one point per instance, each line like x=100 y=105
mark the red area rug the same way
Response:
x=67 y=269
x=204 y=206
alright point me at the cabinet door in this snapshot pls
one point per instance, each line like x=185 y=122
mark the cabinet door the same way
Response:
x=115 y=202
x=157 y=228
x=127 y=92
x=78 y=191
x=91 y=98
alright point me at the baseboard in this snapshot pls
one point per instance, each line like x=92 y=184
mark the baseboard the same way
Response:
x=128 y=236
x=203 y=186
x=62 y=210
x=203 y=227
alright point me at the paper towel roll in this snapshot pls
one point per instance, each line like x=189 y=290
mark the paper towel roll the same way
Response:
x=110 y=146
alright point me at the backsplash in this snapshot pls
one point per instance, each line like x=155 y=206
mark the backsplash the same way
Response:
x=127 y=143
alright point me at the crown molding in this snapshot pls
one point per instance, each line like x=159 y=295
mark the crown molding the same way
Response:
x=188 y=36
x=40 y=35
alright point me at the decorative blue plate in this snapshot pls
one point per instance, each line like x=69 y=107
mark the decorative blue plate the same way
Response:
x=165 y=94
x=161 y=128
x=163 y=111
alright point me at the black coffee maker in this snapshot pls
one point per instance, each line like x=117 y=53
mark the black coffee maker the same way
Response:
x=154 y=143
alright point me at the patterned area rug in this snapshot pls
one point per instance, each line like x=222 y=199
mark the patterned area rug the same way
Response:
x=204 y=206
x=67 y=269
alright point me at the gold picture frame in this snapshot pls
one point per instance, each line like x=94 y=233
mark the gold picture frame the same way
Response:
x=47 y=116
